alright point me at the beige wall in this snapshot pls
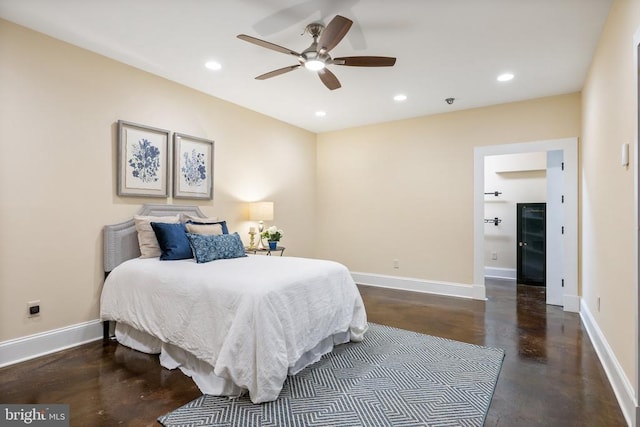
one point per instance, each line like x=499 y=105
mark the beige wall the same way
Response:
x=58 y=108
x=404 y=190
x=607 y=201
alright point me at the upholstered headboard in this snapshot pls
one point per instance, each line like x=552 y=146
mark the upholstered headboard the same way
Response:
x=121 y=240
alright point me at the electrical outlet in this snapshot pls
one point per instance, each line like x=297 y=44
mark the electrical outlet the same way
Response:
x=396 y=263
x=598 y=303
x=494 y=255
x=33 y=308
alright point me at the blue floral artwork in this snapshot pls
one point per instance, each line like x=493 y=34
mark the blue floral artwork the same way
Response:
x=194 y=169
x=145 y=161
x=142 y=160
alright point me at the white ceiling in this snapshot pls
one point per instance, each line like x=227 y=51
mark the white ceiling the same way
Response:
x=444 y=48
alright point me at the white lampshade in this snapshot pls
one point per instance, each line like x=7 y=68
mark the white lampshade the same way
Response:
x=261 y=211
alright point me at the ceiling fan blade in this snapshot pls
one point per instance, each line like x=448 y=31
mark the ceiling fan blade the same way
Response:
x=268 y=45
x=277 y=72
x=333 y=33
x=329 y=79
x=365 y=61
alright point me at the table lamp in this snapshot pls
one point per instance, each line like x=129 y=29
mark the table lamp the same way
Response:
x=261 y=212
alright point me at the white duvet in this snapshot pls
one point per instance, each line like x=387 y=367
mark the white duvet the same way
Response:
x=251 y=318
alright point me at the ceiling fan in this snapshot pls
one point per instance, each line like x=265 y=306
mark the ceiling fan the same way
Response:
x=316 y=57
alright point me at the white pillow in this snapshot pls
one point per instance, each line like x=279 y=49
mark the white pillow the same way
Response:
x=149 y=247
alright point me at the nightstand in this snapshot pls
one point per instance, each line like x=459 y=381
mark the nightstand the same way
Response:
x=265 y=251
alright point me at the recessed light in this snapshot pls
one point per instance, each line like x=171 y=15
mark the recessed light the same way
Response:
x=213 y=65
x=321 y=113
x=505 y=77
x=400 y=97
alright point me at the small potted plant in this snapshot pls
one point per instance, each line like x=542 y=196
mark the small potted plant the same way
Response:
x=273 y=235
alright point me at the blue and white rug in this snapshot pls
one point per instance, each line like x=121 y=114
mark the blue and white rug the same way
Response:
x=393 y=378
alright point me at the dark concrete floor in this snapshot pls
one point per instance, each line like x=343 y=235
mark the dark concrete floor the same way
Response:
x=551 y=375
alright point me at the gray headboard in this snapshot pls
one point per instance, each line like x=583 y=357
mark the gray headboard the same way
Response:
x=121 y=240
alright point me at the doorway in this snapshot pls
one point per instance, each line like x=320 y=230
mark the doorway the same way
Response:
x=531 y=249
x=568 y=285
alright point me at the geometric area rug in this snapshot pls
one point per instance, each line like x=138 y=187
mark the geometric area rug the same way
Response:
x=393 y=377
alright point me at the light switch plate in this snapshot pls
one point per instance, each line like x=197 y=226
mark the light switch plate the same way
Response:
x=625 y=155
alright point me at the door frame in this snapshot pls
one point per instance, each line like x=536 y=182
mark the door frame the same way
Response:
x=569 y=146
x=636 y=204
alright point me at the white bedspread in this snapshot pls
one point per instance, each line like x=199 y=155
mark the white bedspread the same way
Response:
x=251 y=318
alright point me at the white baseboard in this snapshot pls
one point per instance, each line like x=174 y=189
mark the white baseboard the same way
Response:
x=500 y=273
x=619 y=382
x=32 y=346
x=420 y=285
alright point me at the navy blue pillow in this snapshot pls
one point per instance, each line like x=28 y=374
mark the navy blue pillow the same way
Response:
x=172 y=239
x=223 y=224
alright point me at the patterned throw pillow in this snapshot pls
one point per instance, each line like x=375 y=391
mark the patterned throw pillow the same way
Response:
x=211 y=247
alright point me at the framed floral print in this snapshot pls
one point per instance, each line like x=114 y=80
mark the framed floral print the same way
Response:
x=143 y=160
x=192 y=167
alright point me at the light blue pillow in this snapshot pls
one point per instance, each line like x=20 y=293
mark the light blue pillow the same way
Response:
x=208 y=247
x=172 y=239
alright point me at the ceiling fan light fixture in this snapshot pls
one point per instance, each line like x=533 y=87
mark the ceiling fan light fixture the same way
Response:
x=316 y=57
x=314 y=65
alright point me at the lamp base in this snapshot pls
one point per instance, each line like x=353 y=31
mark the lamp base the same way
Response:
x=260 y=230
x=252 y=242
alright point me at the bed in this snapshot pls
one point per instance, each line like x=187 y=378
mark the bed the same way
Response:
x=236 y=326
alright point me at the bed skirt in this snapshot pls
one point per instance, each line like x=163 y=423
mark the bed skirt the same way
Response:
x=172 y=357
